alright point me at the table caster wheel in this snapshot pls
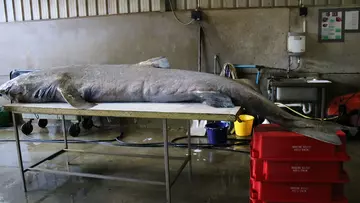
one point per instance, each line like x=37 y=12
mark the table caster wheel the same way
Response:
x=27 y=128
x=87 y=123
x=74 y=129
x=42 y=123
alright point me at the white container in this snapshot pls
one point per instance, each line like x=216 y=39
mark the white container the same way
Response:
x=296 y=43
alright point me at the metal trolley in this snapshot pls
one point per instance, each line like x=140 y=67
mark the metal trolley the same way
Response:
x=73 y=130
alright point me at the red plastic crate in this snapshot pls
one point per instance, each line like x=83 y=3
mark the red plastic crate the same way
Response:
x=272 y=142
x=340 y=200
x=296 y=171
x=296 y=192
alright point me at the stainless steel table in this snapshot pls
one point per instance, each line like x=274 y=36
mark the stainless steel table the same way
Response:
x=164 y=111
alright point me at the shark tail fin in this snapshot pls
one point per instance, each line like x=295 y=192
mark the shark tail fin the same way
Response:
x=323 y=134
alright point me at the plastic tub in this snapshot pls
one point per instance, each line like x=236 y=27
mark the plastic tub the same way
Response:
x=272 y=142
x=244 y=128
x=217 y=132
x=338 y=200
x=296 y=171
x=296 y=192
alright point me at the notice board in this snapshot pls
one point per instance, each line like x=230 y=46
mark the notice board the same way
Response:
x=334 y=23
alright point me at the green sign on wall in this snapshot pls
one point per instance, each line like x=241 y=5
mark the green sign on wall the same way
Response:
x=331 y=25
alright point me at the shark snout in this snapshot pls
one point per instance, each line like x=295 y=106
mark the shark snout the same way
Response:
x=4 y=89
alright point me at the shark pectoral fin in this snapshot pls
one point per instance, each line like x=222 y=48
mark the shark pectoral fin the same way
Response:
x=215 y=99
x=73 y=97
x=71 y=94
x=321 y=134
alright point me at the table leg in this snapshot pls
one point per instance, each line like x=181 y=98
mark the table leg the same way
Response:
x=64 y=131
x=189 y=149
x=316 y=109
x=166 y=161
x=65 y=142
x=323 y=98
x=18 y=149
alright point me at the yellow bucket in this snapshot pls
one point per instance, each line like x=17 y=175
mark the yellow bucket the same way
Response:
x=244 y=128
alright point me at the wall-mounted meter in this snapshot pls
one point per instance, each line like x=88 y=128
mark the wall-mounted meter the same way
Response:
x=296 y=43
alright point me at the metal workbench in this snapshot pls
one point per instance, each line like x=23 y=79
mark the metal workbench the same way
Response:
x=186 y=111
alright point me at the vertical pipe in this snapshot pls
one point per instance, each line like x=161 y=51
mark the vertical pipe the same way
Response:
x=18 y=150
x=64 y=131
x=199 y=48
x=189 y=149
x=166 y=161
x=289 y=66
x=215 y=63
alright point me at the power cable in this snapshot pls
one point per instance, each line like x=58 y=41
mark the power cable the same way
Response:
x=175 y=16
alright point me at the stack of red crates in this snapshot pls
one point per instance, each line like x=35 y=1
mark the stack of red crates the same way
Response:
x=289 y=167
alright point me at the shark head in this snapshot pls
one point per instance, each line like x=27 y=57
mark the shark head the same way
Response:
x=26 y=87
x=11 y=90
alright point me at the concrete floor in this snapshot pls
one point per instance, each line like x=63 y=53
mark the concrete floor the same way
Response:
x=218 y=176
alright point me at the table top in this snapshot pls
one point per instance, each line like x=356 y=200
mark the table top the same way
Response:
x=186 y=111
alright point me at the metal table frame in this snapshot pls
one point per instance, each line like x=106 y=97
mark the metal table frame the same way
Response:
x=62 y=109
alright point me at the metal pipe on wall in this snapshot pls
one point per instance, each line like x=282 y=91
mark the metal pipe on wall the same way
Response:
x=199 y=48
x=215 y=63
x=304 y=24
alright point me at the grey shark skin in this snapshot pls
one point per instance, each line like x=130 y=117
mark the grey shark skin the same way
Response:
x=83 y=86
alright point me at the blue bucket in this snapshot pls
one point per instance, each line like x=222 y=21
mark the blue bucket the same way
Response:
x=217 y=132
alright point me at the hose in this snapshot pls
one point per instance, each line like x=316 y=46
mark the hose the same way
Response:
x=176 y=17
x=306 y=111
x=221 y=147
x=304 y=116
x=229 y=71
x=192 y=145
x=59 y=141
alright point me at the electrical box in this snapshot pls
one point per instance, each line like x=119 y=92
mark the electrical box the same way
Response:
x=196 y=15
x=296 y=43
